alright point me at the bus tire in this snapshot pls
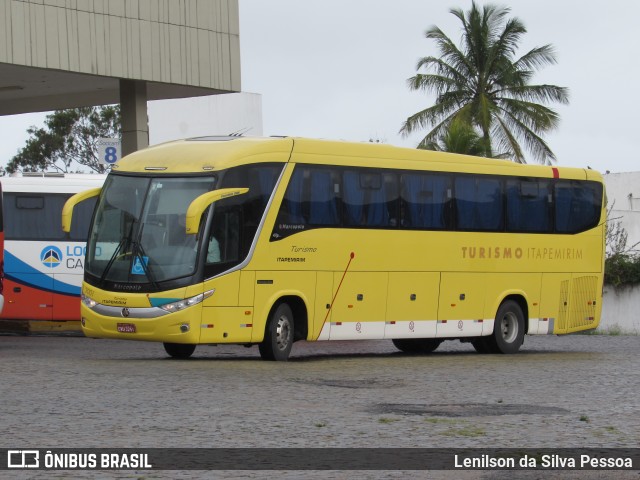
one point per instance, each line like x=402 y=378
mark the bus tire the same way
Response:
x=508 y=329
x=179 y=350
x=278 y=337
x=416 y=345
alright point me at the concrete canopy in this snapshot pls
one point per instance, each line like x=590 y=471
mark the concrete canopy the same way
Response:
x=57 y=54
x=29 y=89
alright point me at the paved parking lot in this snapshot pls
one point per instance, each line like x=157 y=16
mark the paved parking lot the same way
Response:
x=558 y=392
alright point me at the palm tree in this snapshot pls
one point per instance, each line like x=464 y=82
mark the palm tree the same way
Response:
x=460 y=137
x=483 y=84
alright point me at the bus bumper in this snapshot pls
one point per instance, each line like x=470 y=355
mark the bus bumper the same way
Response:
x=178 y=327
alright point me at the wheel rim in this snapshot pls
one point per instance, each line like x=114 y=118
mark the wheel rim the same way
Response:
x=283 y=332
x=509 y=327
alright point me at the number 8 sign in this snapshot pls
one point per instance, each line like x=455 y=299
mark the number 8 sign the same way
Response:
x=108 y=150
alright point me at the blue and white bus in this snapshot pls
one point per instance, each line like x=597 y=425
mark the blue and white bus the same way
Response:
x=43 y=265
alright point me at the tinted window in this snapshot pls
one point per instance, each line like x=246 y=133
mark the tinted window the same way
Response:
x=479 y=204
x=311 y=199
x=236 y=219
x=577 y=206
x=426 y=200
x=38 y=217
x=369 y=198
x=528 y=205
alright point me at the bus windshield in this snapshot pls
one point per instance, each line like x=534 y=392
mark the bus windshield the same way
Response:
x=139 y=232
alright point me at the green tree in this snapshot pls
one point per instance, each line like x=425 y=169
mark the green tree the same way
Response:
x=459 y=137
x=68 y=141
x=483 y=84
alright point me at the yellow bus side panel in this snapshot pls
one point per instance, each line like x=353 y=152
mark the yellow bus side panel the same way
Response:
x=554 y=304
x=412 y=305
x=321 y=319
x=226 y=290
x=584 y=303
x=247 y=285
x=270 y=286
x=461 y=305
x=359 y=310
x=500 y=286
x=226 y=324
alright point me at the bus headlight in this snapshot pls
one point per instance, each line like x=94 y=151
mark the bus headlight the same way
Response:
x=187 y=302
x=89 y=302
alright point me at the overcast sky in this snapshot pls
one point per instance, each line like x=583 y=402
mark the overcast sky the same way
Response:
x=337 y=69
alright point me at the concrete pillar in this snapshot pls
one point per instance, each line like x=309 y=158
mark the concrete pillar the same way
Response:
x=133 y=111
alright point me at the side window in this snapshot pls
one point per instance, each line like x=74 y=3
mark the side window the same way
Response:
x=32 y=216
x=224 y=244
x=528 y=205
x=260 y=179
x=426 y=200
x=479 y=204
x=370 y=198
x=236 y=219
x=577 y=206
x=310 y=201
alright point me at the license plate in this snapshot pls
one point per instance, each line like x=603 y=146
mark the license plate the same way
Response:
x=126 y=328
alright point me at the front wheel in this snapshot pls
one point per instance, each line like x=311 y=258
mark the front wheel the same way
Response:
x=416 y=345
x=508 y=329
x=278 y=337
x=179 y=350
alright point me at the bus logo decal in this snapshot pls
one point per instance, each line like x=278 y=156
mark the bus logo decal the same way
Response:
x=51 y=256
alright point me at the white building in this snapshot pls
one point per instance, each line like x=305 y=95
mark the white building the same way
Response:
x=201 y=116
x=623 y=197
x=620 y=306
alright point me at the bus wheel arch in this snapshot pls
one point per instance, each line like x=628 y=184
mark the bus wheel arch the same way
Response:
x=286 y=324
x=510 y=327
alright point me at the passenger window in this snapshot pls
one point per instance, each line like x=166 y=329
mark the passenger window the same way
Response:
x=310 y=201
x=369 y=198
x=426 y=200
x=223 y=245
x=33 y=216
x=528 y=205
x=479 y=203
x=577 y=206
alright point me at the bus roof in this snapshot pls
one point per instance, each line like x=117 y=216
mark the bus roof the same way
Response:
x=52 y=183
x=208 y=154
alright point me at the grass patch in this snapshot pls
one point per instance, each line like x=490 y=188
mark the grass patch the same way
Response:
x=468 y=431
x=387 y=420
x=436 y=420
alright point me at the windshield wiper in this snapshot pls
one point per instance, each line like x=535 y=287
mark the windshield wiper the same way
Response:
x=138 y=252
x=115 y=254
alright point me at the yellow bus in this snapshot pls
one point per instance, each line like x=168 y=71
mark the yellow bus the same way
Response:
x=267 y=241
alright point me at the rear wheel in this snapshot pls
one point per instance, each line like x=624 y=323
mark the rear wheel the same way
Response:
x=508 y=329
x=417 y=345
x=278 y=337
x=179 y=350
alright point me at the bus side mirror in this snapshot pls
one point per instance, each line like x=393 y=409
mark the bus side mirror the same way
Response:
x=67 y=210
x=200 y=204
